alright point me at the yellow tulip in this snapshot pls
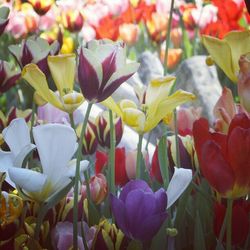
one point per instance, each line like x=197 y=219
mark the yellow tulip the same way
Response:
x=226 y=53
x=62 y=68
x=159 y=103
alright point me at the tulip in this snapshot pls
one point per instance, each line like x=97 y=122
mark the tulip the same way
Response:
x=72 y=20
x=34 y=51
x=244 y=81
x=156 y=104
x=4 y=13
x=139 y=212
x=41 y=7
x=129 y=33
x=19 y=144
x=103 y=129
x=102 y=69
x=8 y=76
x=62 y=235
x=174 y=57
x=57 y=169
x=224 y=158
x=98 y=188
x=62 y=68
x=240 y=221
x=226 y=53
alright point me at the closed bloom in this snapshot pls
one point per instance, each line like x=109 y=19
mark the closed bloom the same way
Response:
x=4 y=13
x=156 y=103
x=72 y=20
x=62 y=68
x=226 y=53
x=102 y=69
x=139 y=212
x=57 y=166
x=129 y=33
x=8 y=76
x=41 y=7
x=224 y=158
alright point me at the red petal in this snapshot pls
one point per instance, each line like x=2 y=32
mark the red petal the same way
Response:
x=101 y=161
x=121 y=177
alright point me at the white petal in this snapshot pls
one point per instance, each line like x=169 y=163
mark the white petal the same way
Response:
x=126 y=70
x=71 y=169
x=29 y=180
x=6 y=162
x=104 y=50
x=17 y=135
x=179 y=182
x=18 y=161
x=56 y=144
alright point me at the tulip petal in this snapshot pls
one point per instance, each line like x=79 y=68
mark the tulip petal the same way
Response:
x=6 y=162
x=221 y=54
x=155 y=115
x=29 y=180
x=62 y=68
x=56 y=145
x=215 y=168
x=161 y=199
x=35 y=77
x=71 y=168
x=120 y=76
x=118 y=209
x=178 y=184
x=111 y=104
x=17 y=135
x=89 y=73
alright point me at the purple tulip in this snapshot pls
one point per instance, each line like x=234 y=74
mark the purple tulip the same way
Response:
x=4 y=13
x=8 y=76
x=102 y=69
x=139 y=212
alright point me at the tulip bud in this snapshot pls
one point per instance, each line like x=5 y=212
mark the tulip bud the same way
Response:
x=174 y=57
x=8 y=76
x=98 y=188
x=109 y=237
x=71 y=101
x=41 y=7
x=129 y=33
x=244 y=81
x=90 y=141
x=4 y=13
x=103 y=128
x=176 y=37
x=72 y=20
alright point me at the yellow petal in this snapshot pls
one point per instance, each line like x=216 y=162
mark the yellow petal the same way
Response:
x=166 y=107
x=239 y=43
x=72 y=101
x=112 y=105
x=36 y=78
x=220 y=52
x=62 y=68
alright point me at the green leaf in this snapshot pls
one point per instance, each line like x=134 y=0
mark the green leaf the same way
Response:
x=199 y=240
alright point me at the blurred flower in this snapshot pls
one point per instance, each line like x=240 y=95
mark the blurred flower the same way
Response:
x=62 y=235
x=226 y=53
x=57 y=169
x=176 y=37
x=103 y=128
x=240 y=221
x=90 y=141
x=72 y=20
x=31 y=18
x=108 y=237
x=116 y=7
x=87 y=33
x=8 y=76
x=41 y=6
x=156 y=103
x=186 y=11
x=244 y=81
x=67 y=45
x=4 y=13
x=62 y=68
x=19 y=144
x=225 y=156
x=102 y=69
x=174 y=57
x=139 y=212
x=98 y=188
x=129 y=33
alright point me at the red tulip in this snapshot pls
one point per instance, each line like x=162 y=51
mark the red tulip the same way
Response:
x=225 y=158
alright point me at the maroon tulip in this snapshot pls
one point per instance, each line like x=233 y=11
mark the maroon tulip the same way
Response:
x=4 y=13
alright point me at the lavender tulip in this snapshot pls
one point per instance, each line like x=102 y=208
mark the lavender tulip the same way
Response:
x=102 y=69
x=139 y=212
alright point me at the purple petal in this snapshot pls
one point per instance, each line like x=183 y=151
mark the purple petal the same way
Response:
x=88 y=77
x=139 y=205
x=43 y=66
x=161 y=200
x=150 y=226
x=2 y=72
x=133 y=185
x=26 y=55
x=9 y=83
x=118 y=210
x=3 y=25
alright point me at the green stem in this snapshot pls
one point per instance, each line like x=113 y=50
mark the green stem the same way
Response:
x=138 y=159
x=112 y=154
x=77 y=177
x=71 y=118
x=32 y=119
x=229 y=224
x=178 y=158
x=168 y=37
